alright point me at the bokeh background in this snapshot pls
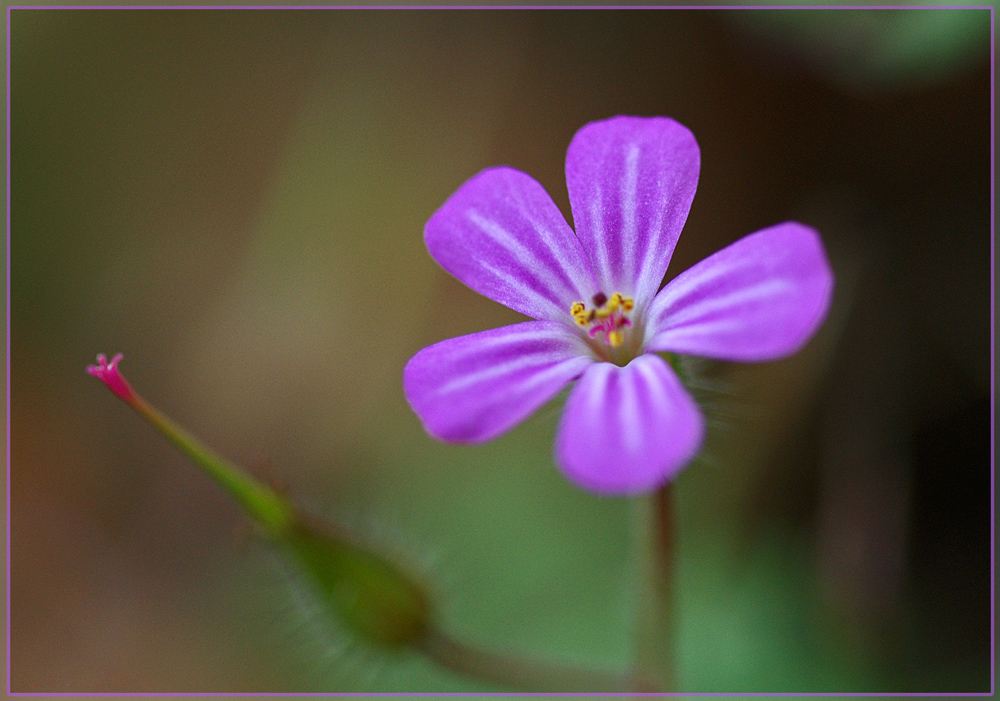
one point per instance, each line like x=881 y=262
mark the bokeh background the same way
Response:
x=235 y=201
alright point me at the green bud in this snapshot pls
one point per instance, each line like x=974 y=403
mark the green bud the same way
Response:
x=369 y=594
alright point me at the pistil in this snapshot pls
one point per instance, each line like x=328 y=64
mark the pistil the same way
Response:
x=607 y=322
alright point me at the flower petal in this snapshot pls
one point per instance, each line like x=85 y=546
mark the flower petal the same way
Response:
x=631 y=181
x=473 y=388
x=503 y=236
x=760 y=298
x=627 y=430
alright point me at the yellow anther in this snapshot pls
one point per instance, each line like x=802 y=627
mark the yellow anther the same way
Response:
x=607 y=318
x=579 y=312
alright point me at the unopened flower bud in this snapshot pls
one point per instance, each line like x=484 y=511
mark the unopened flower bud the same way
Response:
x=372 y=596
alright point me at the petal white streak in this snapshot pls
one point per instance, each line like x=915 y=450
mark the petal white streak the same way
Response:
x=626 y=430
x=758 y=299
x=503 y=220
x=630 y=182
x=653 y=384
x=581 y=281
x=602 y=373
x=684 y=284
x=630 y=233
x=629 y=421
x=763 y=291
x=699 y=330
x=524 y=256
x=473 y=388
x=647 y=279
x=501 y=369
x=522 y=333
x=603 y=264
x=514 y=283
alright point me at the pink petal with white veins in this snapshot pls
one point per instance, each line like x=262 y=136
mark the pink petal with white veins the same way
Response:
x=758 y=299
x=631 y=182
x=474 y=388
x=502 y=235
x=627 y=430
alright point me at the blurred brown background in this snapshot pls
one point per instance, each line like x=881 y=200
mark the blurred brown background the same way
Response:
x=235 y=200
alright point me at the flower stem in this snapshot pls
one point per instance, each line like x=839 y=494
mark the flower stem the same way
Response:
x=512 y=672
x=374 y=596
x=271 y=510
x=655 y=542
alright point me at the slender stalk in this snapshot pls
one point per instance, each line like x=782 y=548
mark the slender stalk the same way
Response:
x=268 y=508
x=517 y=672
x=374 y=596
x=655 y=625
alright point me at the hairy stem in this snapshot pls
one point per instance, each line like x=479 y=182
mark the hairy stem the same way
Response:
x=655 y=623
x=517 y=672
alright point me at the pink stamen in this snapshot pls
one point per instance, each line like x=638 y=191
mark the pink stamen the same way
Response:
x=108 y=374
x=612 y=323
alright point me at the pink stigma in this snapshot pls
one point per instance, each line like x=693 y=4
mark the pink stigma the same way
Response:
x=108 y=374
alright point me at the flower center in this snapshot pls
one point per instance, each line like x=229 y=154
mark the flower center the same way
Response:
x=607 y=320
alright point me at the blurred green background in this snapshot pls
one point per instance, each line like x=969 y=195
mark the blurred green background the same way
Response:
x=235 y=200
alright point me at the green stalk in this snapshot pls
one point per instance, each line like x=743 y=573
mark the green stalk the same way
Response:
x=517 y=672
x=655 y=625
x=271 y=510
x=371 y=594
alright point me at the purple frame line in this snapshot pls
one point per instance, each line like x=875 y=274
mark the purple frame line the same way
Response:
x=8 y=354
x=993 y=618
x=503 y=7
x=509 y=694
x=552 y=7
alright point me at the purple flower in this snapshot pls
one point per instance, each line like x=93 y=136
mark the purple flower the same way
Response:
x=629 y=425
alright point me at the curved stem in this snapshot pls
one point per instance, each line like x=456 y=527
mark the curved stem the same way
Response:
x=516 y=672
